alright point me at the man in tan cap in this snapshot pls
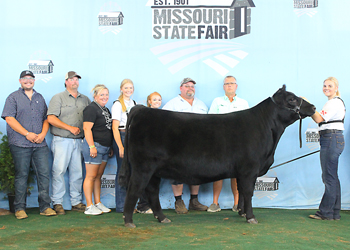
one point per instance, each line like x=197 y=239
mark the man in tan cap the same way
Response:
x=186 y=102
x=65 y=115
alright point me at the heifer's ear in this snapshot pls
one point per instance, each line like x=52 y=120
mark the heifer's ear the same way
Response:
x=284 y=87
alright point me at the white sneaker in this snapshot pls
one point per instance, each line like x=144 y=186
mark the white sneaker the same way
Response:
x=92 y=210
x=102 y=207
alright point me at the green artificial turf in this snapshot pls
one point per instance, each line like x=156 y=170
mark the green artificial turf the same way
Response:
x=277 y=229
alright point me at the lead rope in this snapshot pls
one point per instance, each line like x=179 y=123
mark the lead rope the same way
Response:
x=300 y=141
x=295 y=159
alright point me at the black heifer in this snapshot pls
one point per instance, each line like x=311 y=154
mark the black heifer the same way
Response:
x=197 y=148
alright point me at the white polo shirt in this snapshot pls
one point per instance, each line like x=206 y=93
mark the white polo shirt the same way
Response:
x=222 y=105
x=181 y=105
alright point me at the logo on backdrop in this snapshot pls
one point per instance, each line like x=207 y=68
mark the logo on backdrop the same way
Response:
x=312 y=137
x=200 y=19
x=305 y=7
x=108 y=185
x=202 y=32
x=110 y=18
x=41 y=65
x=265 y=185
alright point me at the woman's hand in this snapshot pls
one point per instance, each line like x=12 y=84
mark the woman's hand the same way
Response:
x=121 y=152
x=304 y=98
x=93 y=152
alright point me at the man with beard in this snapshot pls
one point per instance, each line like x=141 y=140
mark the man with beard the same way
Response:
x=65 y=116
x=221 y=105
x=186 y=102
x=25 y=115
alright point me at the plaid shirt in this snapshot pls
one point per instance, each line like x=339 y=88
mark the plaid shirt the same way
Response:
x=31 y=114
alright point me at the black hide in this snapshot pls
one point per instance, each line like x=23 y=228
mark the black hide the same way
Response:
x=202 y=148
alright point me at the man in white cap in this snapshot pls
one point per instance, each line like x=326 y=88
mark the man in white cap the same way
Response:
x=65 y=115
x=186 y=102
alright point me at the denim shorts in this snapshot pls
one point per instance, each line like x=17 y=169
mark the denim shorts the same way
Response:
x=102 y=153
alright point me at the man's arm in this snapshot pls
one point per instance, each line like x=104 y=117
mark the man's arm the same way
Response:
x=16 y=126
x=54 y=121
x=43 y=133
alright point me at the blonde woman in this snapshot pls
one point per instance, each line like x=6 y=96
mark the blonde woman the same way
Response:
x=96 y=147
x=331 y=122
x=120 y=111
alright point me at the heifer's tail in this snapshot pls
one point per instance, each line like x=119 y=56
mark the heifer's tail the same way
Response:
x=125 y=171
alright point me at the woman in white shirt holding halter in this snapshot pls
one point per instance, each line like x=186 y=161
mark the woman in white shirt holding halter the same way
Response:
x=331 y=123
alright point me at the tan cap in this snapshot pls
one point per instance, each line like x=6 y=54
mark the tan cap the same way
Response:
x=186 y=80
x=72 y=74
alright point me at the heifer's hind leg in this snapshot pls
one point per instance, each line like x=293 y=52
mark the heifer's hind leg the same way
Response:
x=152 y=193
x=135 y=189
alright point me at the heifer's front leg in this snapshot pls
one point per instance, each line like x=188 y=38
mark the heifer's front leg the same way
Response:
x=241 y=205
x=248 y=209
x=152 y=193
x=247 y=187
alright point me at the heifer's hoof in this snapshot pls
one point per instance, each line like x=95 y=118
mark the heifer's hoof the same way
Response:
x=252 y=221
x=242 y=215
x=130 y=225
x=166 y=220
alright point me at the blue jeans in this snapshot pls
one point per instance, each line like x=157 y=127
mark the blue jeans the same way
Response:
x=120 y=192
x=39 y=159
x=66 y=155
x=332 y=145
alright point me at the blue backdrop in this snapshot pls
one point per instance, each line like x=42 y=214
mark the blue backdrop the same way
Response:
x=263 y=43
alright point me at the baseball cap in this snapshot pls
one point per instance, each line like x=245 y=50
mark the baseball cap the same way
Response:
x=26 y=73
x=72 y=74
x=186 y=80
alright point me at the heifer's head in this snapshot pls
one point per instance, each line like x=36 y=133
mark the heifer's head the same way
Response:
x=298 y=108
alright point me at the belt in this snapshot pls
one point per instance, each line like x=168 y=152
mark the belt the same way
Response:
x=68 y=137
x=122 y=130
x=330 y=131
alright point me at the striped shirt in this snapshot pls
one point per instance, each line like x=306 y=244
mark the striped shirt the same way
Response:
x=31 y=114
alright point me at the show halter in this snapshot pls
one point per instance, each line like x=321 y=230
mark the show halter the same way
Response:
x=296 y=109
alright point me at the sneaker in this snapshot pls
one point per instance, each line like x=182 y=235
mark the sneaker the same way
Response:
x=196 y=205
x=235 y=208
x=214 y=208
x=316 y=217
x=59 y=209
x=142 y=211
x=180 y=207
x=21 y=214
x=92 y=210
x=102 y=207
x=79 y=207
x=48 y=212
